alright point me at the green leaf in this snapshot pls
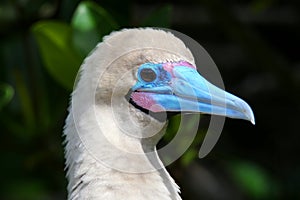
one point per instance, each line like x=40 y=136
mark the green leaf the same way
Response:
x=251 y=179
x=58 y=54
x=6 y=94
x=190 y=155
x=160 y=17
x=90 y=23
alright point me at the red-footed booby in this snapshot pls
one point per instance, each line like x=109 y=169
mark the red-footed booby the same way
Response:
x=118 y=113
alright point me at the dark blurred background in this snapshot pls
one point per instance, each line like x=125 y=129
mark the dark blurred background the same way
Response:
x=254 y=43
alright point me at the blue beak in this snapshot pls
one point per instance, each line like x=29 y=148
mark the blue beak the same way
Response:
x=185 y=90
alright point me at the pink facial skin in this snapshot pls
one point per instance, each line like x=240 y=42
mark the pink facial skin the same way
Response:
x=146 y=101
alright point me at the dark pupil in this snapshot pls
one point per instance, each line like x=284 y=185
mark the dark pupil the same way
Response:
x=148 y=75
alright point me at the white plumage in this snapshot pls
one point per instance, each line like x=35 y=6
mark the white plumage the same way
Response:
x=88 y=177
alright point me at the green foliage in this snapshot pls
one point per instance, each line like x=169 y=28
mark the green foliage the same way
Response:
x=190 y=155
x=90 y=23
x=59 y=57
x=252 y=179
x=64 y=46
x=6 y=94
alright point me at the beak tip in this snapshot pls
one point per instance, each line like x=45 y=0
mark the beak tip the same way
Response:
x=246 y=110
x=252 y=120
x=250 y=114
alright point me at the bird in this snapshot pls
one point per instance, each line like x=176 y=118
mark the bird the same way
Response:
x=124 y=93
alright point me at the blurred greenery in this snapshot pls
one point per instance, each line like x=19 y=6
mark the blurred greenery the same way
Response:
x=255 y=44
x=90 y=23
x=253 y=180
x=60 y=59
x=7 y=93
x=159 y=18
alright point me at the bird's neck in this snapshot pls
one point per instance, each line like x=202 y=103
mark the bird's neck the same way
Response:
x=111 y=164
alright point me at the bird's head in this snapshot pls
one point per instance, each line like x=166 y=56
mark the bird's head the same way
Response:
x=132 y=81
x=141 y=73
x=155 y=72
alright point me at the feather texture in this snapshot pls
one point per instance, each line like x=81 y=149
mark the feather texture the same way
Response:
x=95 y=167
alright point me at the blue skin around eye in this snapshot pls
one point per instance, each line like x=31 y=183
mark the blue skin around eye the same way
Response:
x=162 y=77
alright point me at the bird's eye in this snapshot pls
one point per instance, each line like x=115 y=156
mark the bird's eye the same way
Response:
x=148 y=75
